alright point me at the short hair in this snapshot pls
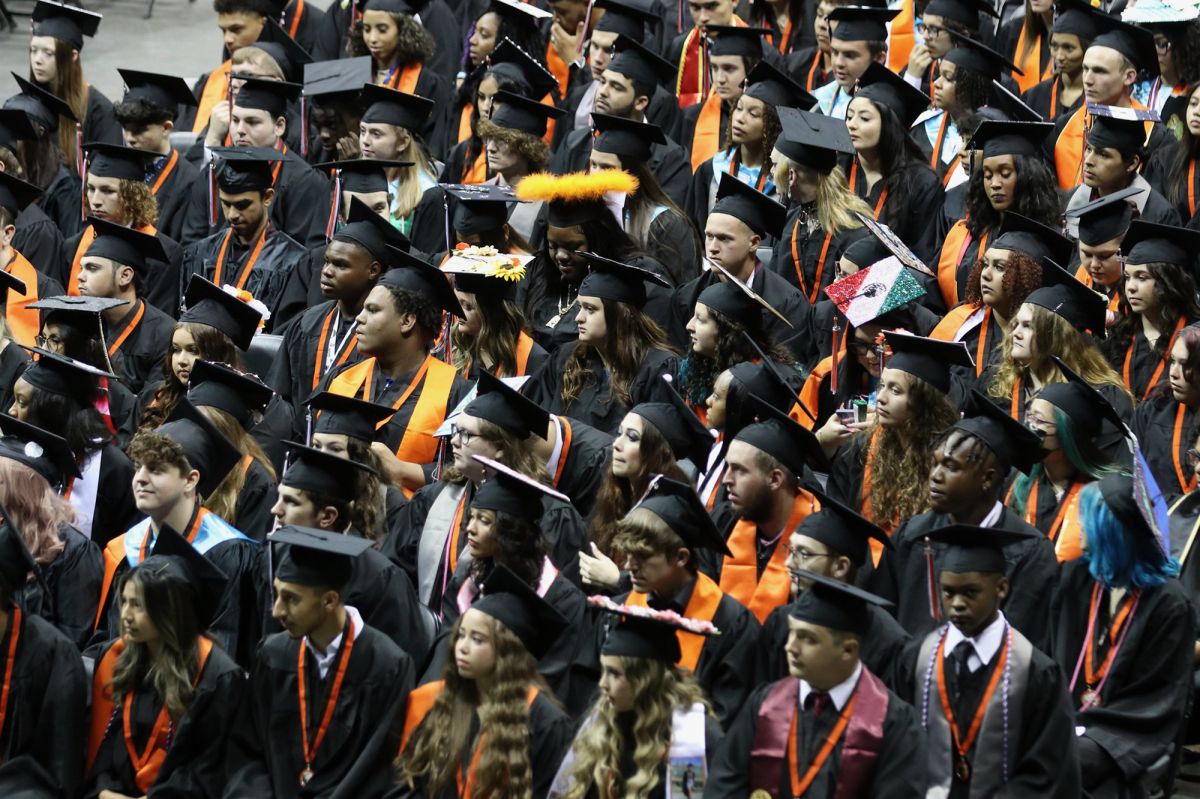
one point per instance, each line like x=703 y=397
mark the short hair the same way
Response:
x=769 y=463
x=151 y=448
x=321 y=500
x=429 y=315
x=643 y=533
x=260 y=7
x=140 y=112
x=877 y=49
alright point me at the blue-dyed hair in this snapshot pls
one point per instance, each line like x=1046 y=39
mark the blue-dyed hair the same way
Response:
x=1116 y=556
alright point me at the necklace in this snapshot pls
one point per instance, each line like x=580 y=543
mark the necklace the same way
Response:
x=567 y=298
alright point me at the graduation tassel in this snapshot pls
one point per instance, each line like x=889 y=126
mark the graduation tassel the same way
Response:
x=446 y=221
x=303 y=126
x=833 y=373
x=81 y=164
x=935 y=606
x=587 y=21
x=212 y=194
x=335 y=205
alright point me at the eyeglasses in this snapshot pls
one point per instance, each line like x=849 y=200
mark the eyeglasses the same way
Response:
x=48 y=342
x=464 y=436
x=1162 y=45
x=803 y=555
x=929 y=31
x=861 y=349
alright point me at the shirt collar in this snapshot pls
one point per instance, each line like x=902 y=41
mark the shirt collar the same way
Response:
x=356 y=624
x=993 y=517
x=986 y=644
x=840 y=693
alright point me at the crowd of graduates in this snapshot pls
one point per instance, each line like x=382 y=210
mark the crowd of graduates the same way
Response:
x=617 y=399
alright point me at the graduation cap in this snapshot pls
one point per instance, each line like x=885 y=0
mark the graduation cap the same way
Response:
x=813 y=140
x=927 y=358
x=841 y=529
x=774 y=88
x=216 y=385
x=63 y=376
x=1008 y=105
x=875 y=291
x=861 y=23
x=759 y=212
x=162 y=91
x=14 y=127
x=201 y=577
x=1078 y=17
x=287 y=52
x=390 y=6
x=612 y=280
x=642 y=632
x=1120 y=493
x=1149 y=243
x=781 y=438
x=114 y=161
x=1085 y=406
x=124 y=245
x=271 y=96
x=625 y=137
x=977 y=57
x=498 y=403
x=363 y=175
x=575 y=198
x=390 y=107
x=46 y=453
x=514 y=112
x=79 y=312
x=527 y=15
x=515 y=604
x=371 y=231
x=733 y=299
x=208 y=304
x=835 y=605
x=884 y=87
x=1120 y=129
x=15 y=193
x=734 y=40
x=339 y=78
x=975 y=549
x=491 y=278
x=509 y=60
x=996 y=138
x=680 y=508
x=763 y=378
x=9 y=282
x=1013 y=444
x=964 y=12
x=1106 y=218
x=1131 y=41
x=66 y=23
x=347 y=416
x=40 y=104
x=16 y=564
x=866 y=250
x=626 y=17
x=207 y=449
x=639 y=63
x=316 y=558
x=243 y=169
x=509 y=491
x=480 y=208
x=422 y=278
x=321 y=473
x=1036 y=240
x=675 y=422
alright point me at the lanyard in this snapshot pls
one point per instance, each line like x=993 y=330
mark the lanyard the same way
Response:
x=128 y=331
x=1186 y=485
x=167 y=170
x=1126 y=372
x=962 y=746
x=327 y=357
x=1096 y=679
x=191 y=536
x=882 y=196
x=310 y=753
x=816 y=287
x=801 y=784
x=244 y=273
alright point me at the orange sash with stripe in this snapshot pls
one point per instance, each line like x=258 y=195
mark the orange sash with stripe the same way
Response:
x=216 y=90
x=23 y=322
x=957 y=240
x=405 y=80
x=706 y=139
x=85 y=241
x=706 y=596
x=739 y=571
x=901 y=37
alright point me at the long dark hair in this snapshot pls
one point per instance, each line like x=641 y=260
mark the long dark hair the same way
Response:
x=897 y=154
x=519 y=545
x=697 y=372
x=81 y=425
x=466 y=96
x=632 y=335
x=213 y=345
x=1175 y=291
x=640 y=207
x=1036 y=197
x=1181 y=152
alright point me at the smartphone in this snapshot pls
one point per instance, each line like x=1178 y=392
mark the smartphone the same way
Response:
x=845 y=416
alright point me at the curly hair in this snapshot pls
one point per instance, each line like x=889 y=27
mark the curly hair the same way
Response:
x=1035 y=196
x=659 y=689
x=495 y=346
x=519 y=454
x=428 y=314
x=212 y=345
x=1185 y=49
x=1022 y=275
x=520 y=546
x=223 y=499
x=631 y=336
x=414 y=44
x=150 y=448
x=531 y=148
x=70 y=86
x=467 y=95
x=698 y=372
x=138 y=201
x=140 y=112
x=37 y=510
x=900 y=455
x=972 y=90
x=442 y=740
x=1175 y=297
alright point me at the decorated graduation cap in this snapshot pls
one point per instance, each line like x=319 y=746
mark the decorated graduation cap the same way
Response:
x=679 y=507
x=735 y=40
x=63 y=376
x=626 y=17
x=510 y=61
x=15 y=193
x=328 y=81
x=841 y=529
x=514 y=603
x=1065 y=296
x=316 y=558
x=162 y=91
x=1036 y=240
x=272 y=96
x=1124 y=496
x=964 y=12
x=1106 y=218
x=370 y=231
x=884 y=87
x=927 y=358
x=515 y=112
x=509 y=491
x=642 y=632
x=390 y=107
x=14 y=127
x=207 y=449
x=347 y=416
x=835 y=605
x=362 y=175
x=639 y=63
x=774 y=88
x=498 y=403
x=1079 y=400
x=527 y=15
x=575 y=198
x=874 y=291
x=243 y=169
x=16 y=564
x=1120 y=129
x=975 y=549
x=612 y=280
x=977 y=57
x=479 y=208
x=756 y=210
x=198 y=575
x=813 y=140
x=1013 y=444
x=1149 y=243
x=239 y=394
x=124 y=245
x=490 y=278
x=68 y=24
x=207 y=303
x=675 y=422
x=781 y=438
x=861 y=23
x=996 y=137
x=625 y=137
x=46 y=453
x=1079 y=18
x=410 y=273
x=1131 y=41
x=42 y=106
x=321 y=473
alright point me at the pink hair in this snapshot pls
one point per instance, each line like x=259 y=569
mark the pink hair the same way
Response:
x=36 y=508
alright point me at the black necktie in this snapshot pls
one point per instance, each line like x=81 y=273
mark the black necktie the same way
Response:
x=961 y=671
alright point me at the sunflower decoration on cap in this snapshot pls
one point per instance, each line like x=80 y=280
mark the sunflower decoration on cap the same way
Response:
x=577 y=197
x=488 y=262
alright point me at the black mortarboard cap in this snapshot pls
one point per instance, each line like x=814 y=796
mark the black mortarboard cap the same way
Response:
x=861 y=23
x=164 y=91
x=1013 y=444
x=371 y=231
x=16 y=564
x=81 y=313
x=639 y=63
x=774 y=88
x=363 y=175
x=347 y=416
x=626 y=137
x=1149 y=243
x=15 y=193
x=1008 y=106
x=680 y=508
x=1120 y=495
x=390 y=6
x=203 y=578
x=65 y=23
x=66 y=377
x=1078 y=17
x=502 y=405
x=390 y=107
x=511 y=492
x=271 y=96
x=1133 y=42
x=422 y=278
x=735 y=301
x=124 y=245
x=841 y=529
x=1079 y=400
x=759 y=212
x=1113 y=129
x=736 y=40
x=317 y=558
x=287 y=52
x=114 y=161
x=514 y=603
x=813 y=140
x=1036 y=240
x=243 y=169
x=784 y=440
x=207 y=303
x=612 y=280
x=1065 y=296
x=239 y=394
x=1106 y=218
x=880 y=85
x=648 y=637
x=527 y=15
x=207 y=449
x=764 y=379
x=341 y=77
x=626 y=17
x=675 y=422
x=317 y=471
x=975 y=549
x=40 y=104
x=977 y=57
x=14 y=127
x=964 y=12
x=927 y=358
x=996 y=137
x=835 y=605
x=510 y=61
x=46 y=453
x=515 y=112
x=480 y=208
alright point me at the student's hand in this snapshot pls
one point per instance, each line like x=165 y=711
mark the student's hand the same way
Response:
x=401 y=474
x=564 y=43
x=919 y=60
x=858 y=427
x=598 y=571
x=218 y=126
x=832 y=435
x=347 y=147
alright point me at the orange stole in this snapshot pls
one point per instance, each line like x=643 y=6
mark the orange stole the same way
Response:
x=739 y=571
x=405 y=80
x=23 y=322
x=1030 y=64
x=558 y=68
x=216 y=90
x=691 y=81
x=953 y=249
x=706 y=596
x=1068 y=148
x=810 y=392
x=706 y=139
x=85 y=241
x=901 y=37
x=947 y=328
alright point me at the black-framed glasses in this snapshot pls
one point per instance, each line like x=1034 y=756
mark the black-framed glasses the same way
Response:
x=929 y=31
x=804 y=556
x=464 y=436
x=48 y=342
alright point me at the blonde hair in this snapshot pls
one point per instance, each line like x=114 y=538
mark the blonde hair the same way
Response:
x=836 y=204
x=259 y=58
x=409 y=192
x=37 y=510
x=520 y=455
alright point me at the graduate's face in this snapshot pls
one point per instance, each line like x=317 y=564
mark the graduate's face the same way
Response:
x=381 y=141
x=42 y=63
x=295 y=506
x=821 y=24
x=1000 y=181
x=245 y=211
x=1102 y=261
x=863 y=123
x=1021 y=346
x=568 y=13
x=348 y=272
x=991 y=278
x=710 y=12
x=1066 y=52
x=563 y=243
x=1140 y=288
x=470 y=324
x=590 y=320
x=484 y=95
x=615 y=685
x=159 y=487
x=475 y=646
x=627 y=447
x=728 y=72
x=972 y=599
x=1105 y=169
x=503 y=158
x=98 y=277
x=729 y=242
x=747 y=487
x=254 y=127
x=955 y=482
x=1039 y=417
x=944 y=84
x=702 y=328
x=817 y=655
x=893 y=402
x=300 y=609
x=716 y=401
x=481 y=539
x=866 y=349
x=53 y=338
x=656 y=572
x=809 y=554
x=1193 y=113
x=467 y=440
x=333 y=443
x=850 y=61
x=184 y=353
x=377 y=201
x=600 y=52
x=379 y=322
x=616 y=96
x=239 y=29
x=937 y=37
x=598 y=161
x=1105 y=76
x=136 y=626
x=104 y=199
x=380 y=35
x=22 y=399
x=746 y=121
x=153 y=136
x=1183 y=387
x=483 y=38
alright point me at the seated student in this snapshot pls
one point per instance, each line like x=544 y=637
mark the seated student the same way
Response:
x=1025 y=40
x=33 y=463
x=1121 y=613
x=59 y=393
x=13 y=357
x=332 y=90
x=994 y=707
x=23 y=323
x=945 y=26
x=492 y=676
x=1101 y=226
x=241 y=23
x=858 y=38
x=966 y=485
x=37 y=235
x=575 y=455
x=1071 y=34
x=319 y=491
x=327 y=696
x=175 y=466
x=1164 y=422
x=733 y=51
x=164 y=695
x=43 y=735
x=407 y=54
x=873 y=741
x=651 y=723
x=1171 y=170
x=118 y=265
x=512 y=142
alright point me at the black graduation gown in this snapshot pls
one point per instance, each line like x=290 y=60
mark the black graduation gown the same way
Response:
x=47 y=286
x=174 y=196
x=1032 y=575
x=278 y=257
x=428 y=230
x=291 y=373
x=115 y=510
x=1142 y=702
x=806 y=67
x=355 y=759
x=1039 y=98
x=139 y=360
x=668 y=162
x=13 y=361
x=72 y=587
x=596 y=404
x=1142 y=364
x=99 y=121
x=195 y=758
x=61 y=202
x=670 y=241
x=38 y=239
x=122 y=405
x=923 y=203
x=1154 y=425
x=313 y=33
x=1160 y=174
x=583 y=465
x=162 y=277
x=45 y=730
x=799 y=249
x=899 y=768
x=252 y=514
